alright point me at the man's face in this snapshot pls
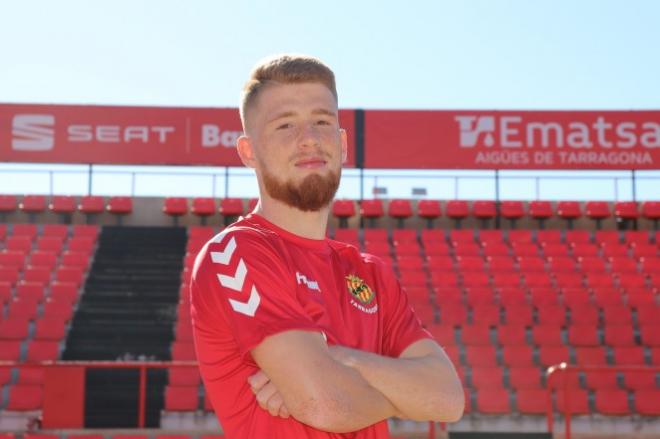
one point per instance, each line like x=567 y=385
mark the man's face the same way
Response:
x=297 y=145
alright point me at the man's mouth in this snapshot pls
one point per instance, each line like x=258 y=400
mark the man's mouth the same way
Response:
x=310 y=163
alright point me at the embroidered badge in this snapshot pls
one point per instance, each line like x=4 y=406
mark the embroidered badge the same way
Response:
x=360 y=291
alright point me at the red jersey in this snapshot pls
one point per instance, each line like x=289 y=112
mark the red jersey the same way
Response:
x=254 y=280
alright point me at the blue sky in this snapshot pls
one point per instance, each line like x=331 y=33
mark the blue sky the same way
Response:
x=469 y=54
x=485 y=54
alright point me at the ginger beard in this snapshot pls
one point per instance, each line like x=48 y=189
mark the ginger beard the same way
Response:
x=314 y=192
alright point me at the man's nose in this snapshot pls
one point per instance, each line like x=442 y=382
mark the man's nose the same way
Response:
x=309 y=136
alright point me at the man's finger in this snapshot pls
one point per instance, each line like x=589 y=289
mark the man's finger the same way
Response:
x=264 y=394
x=257 y=381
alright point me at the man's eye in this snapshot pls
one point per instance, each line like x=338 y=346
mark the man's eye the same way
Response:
x=323 y=122
x=284 y=126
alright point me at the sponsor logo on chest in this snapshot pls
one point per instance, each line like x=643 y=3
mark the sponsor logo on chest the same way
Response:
x=311 y=284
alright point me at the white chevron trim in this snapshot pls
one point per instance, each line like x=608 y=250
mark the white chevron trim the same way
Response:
x=234 y=282
x=250 y=307
x=223 y=257
x=217 y=239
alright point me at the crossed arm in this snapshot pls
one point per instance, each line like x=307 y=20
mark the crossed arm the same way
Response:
x=339 y=390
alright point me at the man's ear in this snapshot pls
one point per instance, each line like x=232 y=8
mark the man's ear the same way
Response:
x=344 y=145
x=245 y=151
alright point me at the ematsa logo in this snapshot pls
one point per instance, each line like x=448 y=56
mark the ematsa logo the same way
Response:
x=472 y=127
x=33 y=132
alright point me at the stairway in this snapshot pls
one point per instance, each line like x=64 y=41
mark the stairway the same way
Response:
x=127 y=312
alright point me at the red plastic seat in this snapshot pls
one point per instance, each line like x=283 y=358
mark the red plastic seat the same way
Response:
x=18 y=243
x=429 y=210
x=650 y=334
x=120 y=206
x=10 y=350
x=591 y=355
x=31 y=288
x=59 y=308
x=647 y=402
x=481 y=355
x=203 y=207
x=601 y=379
x=607 y=237
x=549 y=313
x=33 y=204
x=547 y=335
x=612 y=402
x=400 y=209
x=584 y=314
x=651 y=211
x=455 y=314
x=570 y=211
x=23 y=308
x=50 y=328
x=349 y=236
x=343 y=210
x=175 y=207
x=551 y=355
x=44 y=259
x=372 y=210
x=181 y=398
x=43 y=350
x=230 y=209
x=583 y=335
x=617 y=315
x=518 y=314
x=511 y=335
x=628 y=355
x=64 y=205
x=619 y=335
x=82 y=244
x=626 y=210
x=379 y=235
x=577 y=402
x=519 y=236
x=512 y=210
x=85 y=230
x=457 y=210
x=598 y=210
x=8 y=204
x=443 y=334
x=541 y=211
x=518 y=355
x=476 y=334
x=639 y=379
x=499 y=264
x=524 y=378
x=484 y=210
x=548 y=236
x=531 y=401
x=72 y=275
x=493 y=401
x=486 y=314
x=184 y=376
x=487 y=378
x=14 y=328
x=24 y=397
x=91 y=205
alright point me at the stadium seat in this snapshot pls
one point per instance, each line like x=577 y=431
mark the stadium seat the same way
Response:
x=519 y=236
x=493 y=401
x=511 y=335
x=481 y=356
x=72 y=275
x=513 y=211
x=32 y=205
x=175 y=207
x=457 y=210
x=484 y=210
x=44 y=259
x=31 y=287
x=639 y=379
x=399 y=209
x=487 y=378
x=203 y=207
x=628 y=355
x=518 y=355
x=231 y=209
x=380 y=235
x=82 y=244
x=518 y=314
x=486 y=314
x=540 y=211
x=181 y=398
x=43 y=350
x=85 y=230
x=24 y=397
x=525 y=378
x=14 y=327
x=552 y=355
x=120 y=206
x=501 y=264
x=18 y=243
x=651 y=211
x=607 y=237
x=371 y=210
x=547 y=335
x=550 y=313
x=590 y=355
x=650 y=334
x=184 y=376
x=577 y=402
x=63 y=205
x=570 y=211
x=443 y=334
x=59 y=308
x=626 y=211
x=647 y=402
x=583 y=335
x=612 y=402
x=349 y=236
x=476 y=334
x=455 y=314
x=23 y=308
x=531 y=401
x=429 y=210
x=601 y=379
x=10 y=350
x=343 y=209
x=91 y=206
x=598 y=211
x=8 y=204
x=49 y=328
x=619 y=335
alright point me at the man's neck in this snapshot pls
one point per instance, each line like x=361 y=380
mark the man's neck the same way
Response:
x=306 y=224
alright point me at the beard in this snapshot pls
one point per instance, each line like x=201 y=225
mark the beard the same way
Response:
x=313 y=193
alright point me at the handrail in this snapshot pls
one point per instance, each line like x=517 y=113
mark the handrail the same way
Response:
x=141 y=365
x=564 y=369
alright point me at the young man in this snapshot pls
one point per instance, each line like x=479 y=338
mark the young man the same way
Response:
x=299 y=336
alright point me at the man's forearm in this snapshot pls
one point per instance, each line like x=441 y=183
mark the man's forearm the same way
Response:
x=421 y=388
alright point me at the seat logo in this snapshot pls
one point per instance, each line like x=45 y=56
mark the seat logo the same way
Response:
x=33 y=132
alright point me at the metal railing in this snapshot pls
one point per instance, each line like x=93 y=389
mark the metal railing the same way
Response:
x=564 y=370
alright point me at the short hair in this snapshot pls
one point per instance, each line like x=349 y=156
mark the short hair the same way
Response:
x=285 y=69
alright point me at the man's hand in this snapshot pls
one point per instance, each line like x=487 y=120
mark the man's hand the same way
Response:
x=267 y=395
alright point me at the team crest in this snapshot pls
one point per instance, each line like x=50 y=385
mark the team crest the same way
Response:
x=359 y=289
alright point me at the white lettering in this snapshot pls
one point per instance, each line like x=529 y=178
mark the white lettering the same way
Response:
x=622 y=130
x=162 y=132
x=138 y=133
x=210 y=135
x=651 y=138
x=107 y=133
x=601 y=127
x=80 y=133
x=579 y=136
x=506 y=130
x=545 y=129
x=117 y=134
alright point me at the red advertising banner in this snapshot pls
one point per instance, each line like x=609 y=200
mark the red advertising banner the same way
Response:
x=512 y=139
x=126 y=135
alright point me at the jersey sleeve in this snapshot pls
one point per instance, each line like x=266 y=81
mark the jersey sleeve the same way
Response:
x=401 y=325
x=240 y=281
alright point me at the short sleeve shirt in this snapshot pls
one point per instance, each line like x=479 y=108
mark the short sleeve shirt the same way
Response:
x=254 y=280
